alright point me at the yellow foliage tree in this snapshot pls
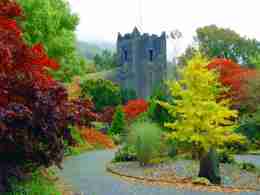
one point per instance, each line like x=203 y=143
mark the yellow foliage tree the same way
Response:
x=204 y=121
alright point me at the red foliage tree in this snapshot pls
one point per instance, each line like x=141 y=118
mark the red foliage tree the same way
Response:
x=34 y=109
x=233 y=76
x=134 y=108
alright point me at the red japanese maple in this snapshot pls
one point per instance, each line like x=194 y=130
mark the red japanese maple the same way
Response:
x=134 y=108
x=34 y=109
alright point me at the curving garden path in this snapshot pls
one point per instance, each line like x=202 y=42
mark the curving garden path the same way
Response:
x=87 y=174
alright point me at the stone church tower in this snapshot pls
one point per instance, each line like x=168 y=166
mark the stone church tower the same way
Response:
x=142 y=61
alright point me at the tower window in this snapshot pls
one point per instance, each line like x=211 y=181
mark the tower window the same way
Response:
x=125 y=55
x=151 y=54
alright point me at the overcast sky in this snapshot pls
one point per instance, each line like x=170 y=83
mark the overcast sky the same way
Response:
x=103 y=19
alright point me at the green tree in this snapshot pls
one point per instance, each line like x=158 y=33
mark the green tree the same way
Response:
x=103 y=92
x=203 y=122
x=118 y=123
x=214 y=41
x=51 y=23
x=156 y=112
x=105 y=61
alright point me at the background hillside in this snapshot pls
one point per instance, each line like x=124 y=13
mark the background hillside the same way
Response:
x=90 y=49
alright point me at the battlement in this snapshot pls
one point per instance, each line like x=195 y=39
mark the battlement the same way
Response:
x=137 y=34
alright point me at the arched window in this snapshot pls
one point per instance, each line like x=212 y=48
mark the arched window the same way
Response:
x=125 y=55
x=151 y=54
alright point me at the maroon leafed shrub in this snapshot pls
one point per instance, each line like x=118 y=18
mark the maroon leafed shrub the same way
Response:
x=34 y=108
x=107 y=114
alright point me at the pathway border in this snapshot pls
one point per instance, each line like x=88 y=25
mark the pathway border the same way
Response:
x=178 y=183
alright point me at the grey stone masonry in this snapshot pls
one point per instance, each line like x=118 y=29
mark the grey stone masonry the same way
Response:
x=142 y=61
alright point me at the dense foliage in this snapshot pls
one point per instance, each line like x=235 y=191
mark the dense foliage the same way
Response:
x=134 y=108
x=34 y=109
x=103 y=92
x=51 y=23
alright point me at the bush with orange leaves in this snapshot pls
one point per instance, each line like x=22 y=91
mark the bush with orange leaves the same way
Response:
x=134 y=108
x=95 y=137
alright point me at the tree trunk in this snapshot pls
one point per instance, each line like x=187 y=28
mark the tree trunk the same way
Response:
x=209 y=167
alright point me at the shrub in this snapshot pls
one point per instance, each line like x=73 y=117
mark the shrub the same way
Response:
x=146 y=137
x=106 y=115
x=83 y=112
x=249 y=126
x=117 y=139
x=134 y=108
x=172 y=148
x=118 y=123
x=103 y=92
x=127 y=95
x=125 y=154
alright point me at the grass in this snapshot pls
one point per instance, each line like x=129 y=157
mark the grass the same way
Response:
x=39 y=184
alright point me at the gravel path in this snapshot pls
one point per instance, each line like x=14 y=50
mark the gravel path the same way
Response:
x=87 y=174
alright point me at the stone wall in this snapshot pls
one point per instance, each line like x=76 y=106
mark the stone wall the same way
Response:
x=142 y=61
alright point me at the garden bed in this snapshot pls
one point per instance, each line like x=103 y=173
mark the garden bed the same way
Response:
x=181 y=173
